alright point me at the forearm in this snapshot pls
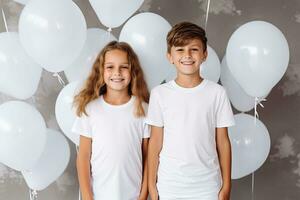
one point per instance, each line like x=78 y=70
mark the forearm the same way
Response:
x=84 y=177
x=144 y=188
x=224 y=152
x=153 y=158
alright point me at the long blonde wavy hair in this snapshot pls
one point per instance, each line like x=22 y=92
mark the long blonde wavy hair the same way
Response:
x=95 y=86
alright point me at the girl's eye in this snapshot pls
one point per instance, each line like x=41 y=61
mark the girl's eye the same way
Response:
x=125 y=67
x=195 y=49
x=108 y=67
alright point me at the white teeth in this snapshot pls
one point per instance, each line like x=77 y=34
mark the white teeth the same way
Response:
x=116 y=80
x=188 y=63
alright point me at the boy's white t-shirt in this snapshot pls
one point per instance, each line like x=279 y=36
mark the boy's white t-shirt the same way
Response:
x=189 y=117
x=116 y=160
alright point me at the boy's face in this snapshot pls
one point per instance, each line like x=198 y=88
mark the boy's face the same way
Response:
x=188 y=58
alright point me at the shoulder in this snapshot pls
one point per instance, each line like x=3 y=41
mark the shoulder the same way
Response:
x=162 y=88
x=92 y=105
x=215 y=88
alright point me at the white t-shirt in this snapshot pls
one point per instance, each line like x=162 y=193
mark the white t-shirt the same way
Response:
x=189 y=157
x=116 y=160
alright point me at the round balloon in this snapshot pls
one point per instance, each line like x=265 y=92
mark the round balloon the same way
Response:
x=250 y=145
x=20 y=75
x=65 y=112
x=22 y=135
x=52 y=32
x=238 y=97
x=113 y=13
x=81 y=67
x=257 y=55
x=146 y=33
x=51 y=164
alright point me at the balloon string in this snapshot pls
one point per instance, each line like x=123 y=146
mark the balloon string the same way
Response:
x=60 y=80
x=257 y=102
x=252 y=187
x=32 y=194
x=207 y=12
x=109 y=32
x=4 y=18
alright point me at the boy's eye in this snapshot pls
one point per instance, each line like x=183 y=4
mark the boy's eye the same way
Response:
x=179 y=49
x=195 y=49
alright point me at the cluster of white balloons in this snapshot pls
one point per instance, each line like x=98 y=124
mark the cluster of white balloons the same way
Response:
x=257 y=57
x=53 y=35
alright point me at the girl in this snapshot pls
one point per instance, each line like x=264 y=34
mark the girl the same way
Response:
x=111 y=108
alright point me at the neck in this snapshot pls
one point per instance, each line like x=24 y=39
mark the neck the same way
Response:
x=116 y=97
x=188 y=81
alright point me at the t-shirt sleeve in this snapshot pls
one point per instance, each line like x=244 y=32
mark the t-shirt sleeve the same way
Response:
x=81 y=126
x=154 y=115
x=146 y=129
x=224 y=114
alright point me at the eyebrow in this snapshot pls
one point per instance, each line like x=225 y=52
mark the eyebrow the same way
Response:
x=113 y=63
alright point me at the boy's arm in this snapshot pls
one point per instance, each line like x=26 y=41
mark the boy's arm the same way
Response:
x=83 y=167
x=224 y=154
x=144 y=189
x=155 y=145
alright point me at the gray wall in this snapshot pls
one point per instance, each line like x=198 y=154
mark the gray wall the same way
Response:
x=279 y=177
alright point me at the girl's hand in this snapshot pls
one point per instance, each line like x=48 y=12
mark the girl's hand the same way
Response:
x=153 y=194
x=224 y=194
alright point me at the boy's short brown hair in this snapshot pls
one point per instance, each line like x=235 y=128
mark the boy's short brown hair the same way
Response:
x=183 y=32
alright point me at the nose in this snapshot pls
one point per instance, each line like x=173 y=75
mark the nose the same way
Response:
x=187 y=53
x=117 y=71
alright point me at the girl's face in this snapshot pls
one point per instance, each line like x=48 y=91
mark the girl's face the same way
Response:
x=188 y=58
x=116 y=71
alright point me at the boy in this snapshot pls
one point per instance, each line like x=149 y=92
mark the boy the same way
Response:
x=189 y=155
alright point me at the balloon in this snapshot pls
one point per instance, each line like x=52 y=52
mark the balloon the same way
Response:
x=19 y=74
x=80 y=68
x=113 y=13
x=52 y=32
x=210 y=69
x=51 y=164
x=257 y=55
x=146 y=33
x=238 y=97
x=22 y=1
x=250 y=145
x=65 y=113
x=22 y=135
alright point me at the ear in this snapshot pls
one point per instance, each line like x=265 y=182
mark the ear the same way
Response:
x=205 y=55
x=169 y=57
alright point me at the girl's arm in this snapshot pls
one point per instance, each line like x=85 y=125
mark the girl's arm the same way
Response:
x=83 y=167
x=224 y=154
x=144 y=189
x=155 y=145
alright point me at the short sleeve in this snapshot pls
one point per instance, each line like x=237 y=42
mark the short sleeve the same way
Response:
x=154 y=115
x=224 y=114
x=146 y=129
x=81 y=126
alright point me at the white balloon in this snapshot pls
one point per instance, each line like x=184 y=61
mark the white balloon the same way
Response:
x=250 y=145
x=19 y=74
x=51 y=164
x=211 y=68
x=22 y=1
x=257 y=55
x=238 y=97
x=81 y=67
x=64 y=111
x=146 y=33
x=113 y=13
x=22 y=135
x=52 y=32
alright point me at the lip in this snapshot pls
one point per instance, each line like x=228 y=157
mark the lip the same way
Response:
x=187 y=62
x=117 y=80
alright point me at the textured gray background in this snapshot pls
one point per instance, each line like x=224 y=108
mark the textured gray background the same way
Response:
x=279 y=177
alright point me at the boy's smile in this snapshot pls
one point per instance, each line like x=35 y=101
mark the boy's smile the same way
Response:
x=188 y=58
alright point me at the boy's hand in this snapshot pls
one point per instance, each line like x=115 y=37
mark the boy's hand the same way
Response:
x=224 y=194
x=153 y=193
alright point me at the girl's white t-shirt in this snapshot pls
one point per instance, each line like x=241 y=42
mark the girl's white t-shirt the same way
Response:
x=189 y=117
x=116 y=160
